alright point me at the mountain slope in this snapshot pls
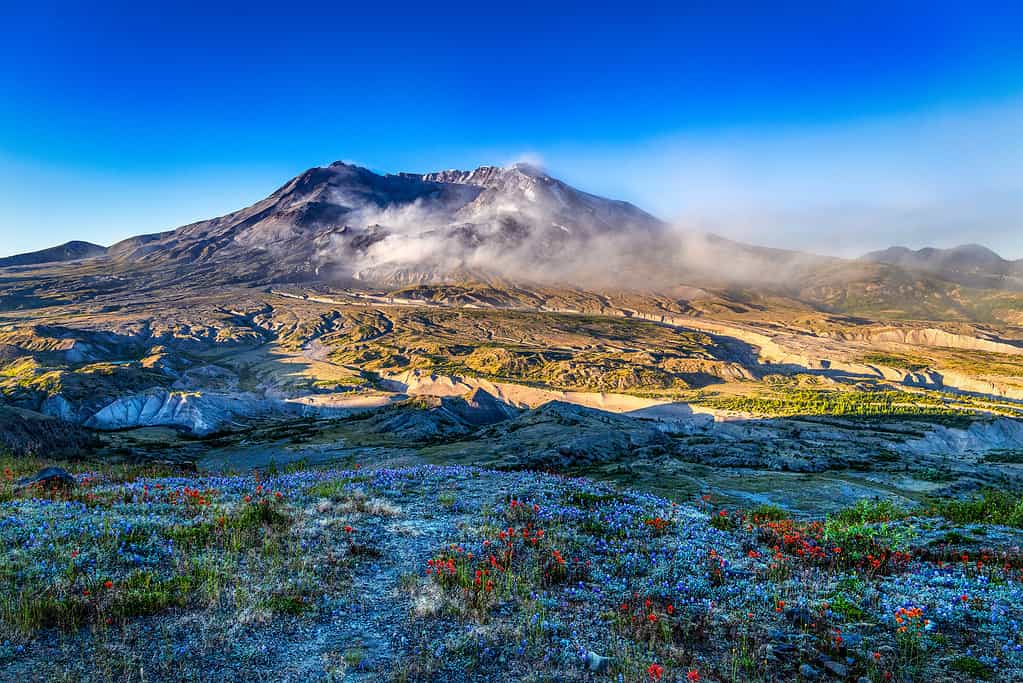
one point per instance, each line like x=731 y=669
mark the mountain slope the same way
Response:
x=69 y=251
x=972 y=265
x=349 y=222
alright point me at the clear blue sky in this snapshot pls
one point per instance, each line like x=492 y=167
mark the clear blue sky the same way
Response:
x=829 y=126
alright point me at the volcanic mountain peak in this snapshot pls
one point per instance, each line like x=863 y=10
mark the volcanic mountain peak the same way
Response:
x=356 y=222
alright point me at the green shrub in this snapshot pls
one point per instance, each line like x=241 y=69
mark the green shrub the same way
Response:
x=991 y=507
x=869 y=511
x=287 y=604
x=849 y=610
x=257 y=515
x=768 y=513
x=144 y=593
x=972 y=667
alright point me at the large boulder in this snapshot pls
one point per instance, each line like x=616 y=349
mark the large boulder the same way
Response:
x=50 y=478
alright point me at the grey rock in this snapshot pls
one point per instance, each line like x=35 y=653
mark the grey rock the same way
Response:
x=597 y=663
x=852 y=641
x=840 y=670
x=808 y=672
x=799 y=616
x=49 y=478
x=781 y=652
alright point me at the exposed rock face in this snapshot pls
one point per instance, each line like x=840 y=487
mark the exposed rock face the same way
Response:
x=422 y=420
x=198 y=413
x=929 y=336
x=979 y=437
x=417 y=383
x=428 y=418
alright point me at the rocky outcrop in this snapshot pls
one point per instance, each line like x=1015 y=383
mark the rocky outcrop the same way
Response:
x=419 y=421
x=979 y=437
x=559 y=435
x=203 y=413
x=430 y=418
x=929 y=337
x=199 y=413
x=479 y=408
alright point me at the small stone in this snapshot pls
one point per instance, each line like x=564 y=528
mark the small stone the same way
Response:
x=781 y=652
x=596 y=663
x=799 y=616
x=840 y=670
x=852 y=641
x=808 y=672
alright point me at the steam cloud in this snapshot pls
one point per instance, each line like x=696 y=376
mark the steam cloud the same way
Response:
x=547 y=240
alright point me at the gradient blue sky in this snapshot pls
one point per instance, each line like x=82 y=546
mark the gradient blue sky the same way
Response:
x=832 y=127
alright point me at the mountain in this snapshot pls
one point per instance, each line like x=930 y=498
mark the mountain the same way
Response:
x=347 y=226
x=69 y=251
x=969 y=264
x=343 y=221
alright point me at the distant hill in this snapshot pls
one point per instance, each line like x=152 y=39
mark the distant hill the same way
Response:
x=69 y=251
x=969 y=264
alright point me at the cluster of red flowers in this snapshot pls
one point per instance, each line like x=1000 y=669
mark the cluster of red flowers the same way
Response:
x=515 y=504
x=650 y=610
x=656 y=672
x=911 y=619
x=190 y=496
x=715 y=568
x=657 y=524
x=441 y=565
x=482 y=580
x=528 y=534
x=262 y=495
x=454 y=570
x=806 y=542
x=982 y=561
